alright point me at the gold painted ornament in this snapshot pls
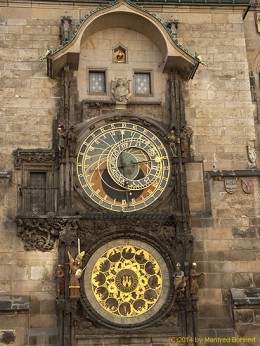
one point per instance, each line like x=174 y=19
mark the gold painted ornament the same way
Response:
x=126 y=281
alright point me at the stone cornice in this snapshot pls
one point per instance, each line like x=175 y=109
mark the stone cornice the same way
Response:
x=250 y=172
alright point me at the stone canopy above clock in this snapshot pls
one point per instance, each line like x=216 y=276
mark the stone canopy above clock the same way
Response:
x=124 y=15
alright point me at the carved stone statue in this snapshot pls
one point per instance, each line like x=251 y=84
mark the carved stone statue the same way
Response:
x=72 y=141
x=62 y=140
x=194 y=275
x=186 y=137
x=75 y=274
x=121 y=89
x=60 y=281
x=179 y=280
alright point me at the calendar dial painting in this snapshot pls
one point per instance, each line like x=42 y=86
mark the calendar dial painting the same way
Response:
x=126 y=283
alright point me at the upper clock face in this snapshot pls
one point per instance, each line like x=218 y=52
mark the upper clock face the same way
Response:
x=123 y=166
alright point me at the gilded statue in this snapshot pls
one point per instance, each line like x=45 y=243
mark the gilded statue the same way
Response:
x=179 y=280
x=75 y=274
x=194 y=275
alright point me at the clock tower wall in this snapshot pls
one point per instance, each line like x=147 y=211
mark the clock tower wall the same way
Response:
x=188 y=184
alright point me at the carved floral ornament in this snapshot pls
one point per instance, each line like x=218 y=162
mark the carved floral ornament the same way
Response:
x=41 y=233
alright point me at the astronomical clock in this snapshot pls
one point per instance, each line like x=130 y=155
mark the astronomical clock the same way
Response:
x=123 y=167
x=125 y=173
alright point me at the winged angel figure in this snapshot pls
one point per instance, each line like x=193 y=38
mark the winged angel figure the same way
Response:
x=121 y=89
x=75 y=273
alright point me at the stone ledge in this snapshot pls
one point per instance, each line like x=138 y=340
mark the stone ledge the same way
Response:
x=14 y=303
x=252 y=172
x=245 y=297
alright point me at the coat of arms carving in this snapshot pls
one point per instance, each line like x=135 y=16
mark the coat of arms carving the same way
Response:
x=230 y=185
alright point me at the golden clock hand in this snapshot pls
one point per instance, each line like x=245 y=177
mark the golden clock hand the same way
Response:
x=127 y=193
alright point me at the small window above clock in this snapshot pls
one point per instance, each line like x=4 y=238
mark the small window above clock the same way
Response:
x=142 y=83
x=97 y=82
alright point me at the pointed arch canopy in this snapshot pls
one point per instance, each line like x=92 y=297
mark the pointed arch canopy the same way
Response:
x=123 y=14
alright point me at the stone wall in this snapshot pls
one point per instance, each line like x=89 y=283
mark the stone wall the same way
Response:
x=29 y=103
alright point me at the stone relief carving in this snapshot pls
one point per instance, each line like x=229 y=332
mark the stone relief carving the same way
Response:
x=172 y=24
x=41 y=233
x=121 y=89
x=251 y=153
x=65 y=29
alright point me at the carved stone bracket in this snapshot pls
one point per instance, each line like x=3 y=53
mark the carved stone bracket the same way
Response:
x=37 y=233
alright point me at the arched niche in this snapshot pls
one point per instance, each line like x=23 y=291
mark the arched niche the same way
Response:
x=124 y=15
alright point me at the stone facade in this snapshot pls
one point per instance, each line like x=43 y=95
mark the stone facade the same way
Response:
x=40 y=92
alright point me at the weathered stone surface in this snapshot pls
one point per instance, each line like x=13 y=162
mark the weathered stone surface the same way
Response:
x=14 y=303
x=246 y=233
x=7 y=337
x=242 y=280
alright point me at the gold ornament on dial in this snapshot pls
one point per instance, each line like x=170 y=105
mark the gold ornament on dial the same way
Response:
x=123 y=167
x=126 y=281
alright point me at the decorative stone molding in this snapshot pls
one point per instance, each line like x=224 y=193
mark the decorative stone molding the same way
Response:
x=32 y=156
x=41 y=233
x=253 y=172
